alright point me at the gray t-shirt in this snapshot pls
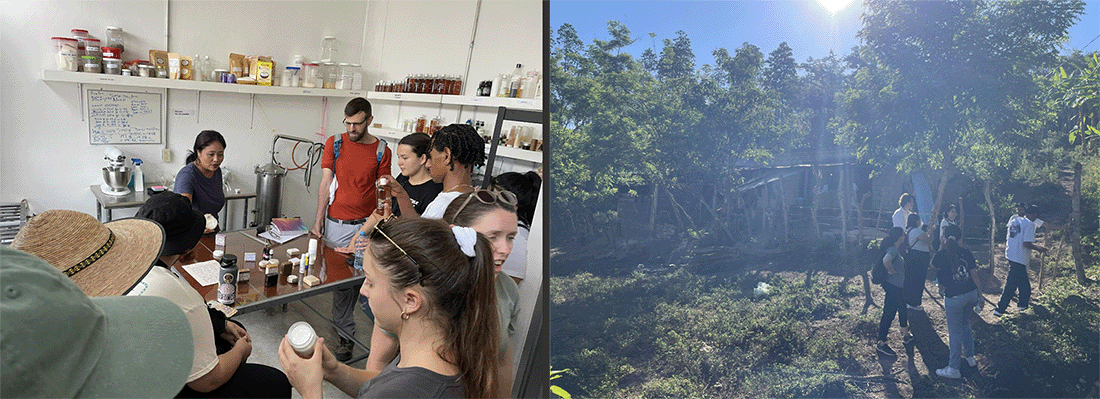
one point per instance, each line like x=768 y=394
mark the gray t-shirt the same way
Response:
x=411 y=382
x=898 y=278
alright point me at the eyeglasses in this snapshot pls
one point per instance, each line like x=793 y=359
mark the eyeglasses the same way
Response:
x=378 y=231
x=353 y=124
x=487 y=197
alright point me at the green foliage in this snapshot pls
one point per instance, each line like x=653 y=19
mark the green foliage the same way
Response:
x=556 y=390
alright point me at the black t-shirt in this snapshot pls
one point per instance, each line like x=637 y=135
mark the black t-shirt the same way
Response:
x=421 y=194
x=954 y=272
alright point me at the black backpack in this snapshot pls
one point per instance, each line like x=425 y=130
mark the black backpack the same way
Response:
x=878 y=272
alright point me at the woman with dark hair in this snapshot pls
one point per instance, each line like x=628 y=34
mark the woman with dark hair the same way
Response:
x=432 y=286
x=526 y=188
x=415 y=188
x=916 y=268
x=893 y=247
x=954 y=268
x=200 y=179
x=456 y=150
x=950 y=218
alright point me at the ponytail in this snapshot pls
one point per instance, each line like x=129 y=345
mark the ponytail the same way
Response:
x=191 y=157
x=477 y=336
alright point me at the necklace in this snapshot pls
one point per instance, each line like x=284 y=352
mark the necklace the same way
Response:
x=460 y=185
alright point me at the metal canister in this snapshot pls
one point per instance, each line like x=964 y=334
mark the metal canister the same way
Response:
x=268 y=183
x=227 y=280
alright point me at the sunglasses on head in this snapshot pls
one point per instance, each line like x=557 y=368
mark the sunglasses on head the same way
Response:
x=377 y=231
x=487 y=197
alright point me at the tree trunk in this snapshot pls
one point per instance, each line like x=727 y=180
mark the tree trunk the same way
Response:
x=813 y=205
x=1075 y=222
x=859 y=218
x=717 y=219
x=939 y=197
x=675 y=212
x=677 y=208
x=653 y=208
x=842 y=198
x=992 y=221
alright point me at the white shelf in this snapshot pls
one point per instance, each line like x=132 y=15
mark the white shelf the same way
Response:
x=506 y=152
x=50 y=75
x=530 y=104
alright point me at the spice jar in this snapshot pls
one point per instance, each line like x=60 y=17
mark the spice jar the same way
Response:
x=329 y=73
x=112 y=66
x=309 y=74
x=343 y=80
x=68 y=57
x=91 y=64
x=114 y=38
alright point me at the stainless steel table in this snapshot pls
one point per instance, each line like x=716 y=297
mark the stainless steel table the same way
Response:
x=136 y=199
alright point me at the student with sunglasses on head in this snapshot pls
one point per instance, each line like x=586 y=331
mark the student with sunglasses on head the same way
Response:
x=432 y=286
x=455 y=150
x=492 y=214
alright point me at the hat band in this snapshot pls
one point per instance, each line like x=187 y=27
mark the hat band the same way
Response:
x=99 y=253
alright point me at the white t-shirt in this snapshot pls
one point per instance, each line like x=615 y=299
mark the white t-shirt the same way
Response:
x=1020 y=230
x=914 y=243
x=1038 y=222
x=516 y=264
x=438 y=207
x=900 y=217
x=163 y=283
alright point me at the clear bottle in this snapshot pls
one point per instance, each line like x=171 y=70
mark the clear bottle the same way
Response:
x=330 y=74
x=359 y=251
x=139 y=178
x=115 y=39
x=208 y=69
x=357 y=77
x=516 y=79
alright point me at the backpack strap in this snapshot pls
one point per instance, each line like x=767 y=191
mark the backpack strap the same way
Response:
x=340 y=141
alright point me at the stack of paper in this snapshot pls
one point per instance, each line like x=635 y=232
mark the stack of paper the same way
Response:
x=287 y=227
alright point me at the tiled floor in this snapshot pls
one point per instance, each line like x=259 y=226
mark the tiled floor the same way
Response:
x=268 y=327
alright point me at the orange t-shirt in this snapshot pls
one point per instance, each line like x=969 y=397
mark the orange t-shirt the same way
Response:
x=356 y=170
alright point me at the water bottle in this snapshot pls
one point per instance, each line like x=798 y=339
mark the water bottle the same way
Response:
x=227 y=280
x=139 y=178
x=359 y=251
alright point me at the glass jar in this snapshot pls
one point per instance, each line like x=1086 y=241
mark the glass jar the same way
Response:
x=357 y=78
x=330 y=74
x=290 y=76
x=309 y=75
x=328 y=48
x=112 y=66
x=114 y=38
x=343 y=81
x=422 y=124
x=65 y=50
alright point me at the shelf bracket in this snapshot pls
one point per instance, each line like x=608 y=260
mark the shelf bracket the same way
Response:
x=252 y=104
x=80 y=93
x=198 y=106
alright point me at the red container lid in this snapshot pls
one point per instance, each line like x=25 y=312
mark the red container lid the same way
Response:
x=91 y=40
x=84 y=31
x=63 y=38
x=112 y=52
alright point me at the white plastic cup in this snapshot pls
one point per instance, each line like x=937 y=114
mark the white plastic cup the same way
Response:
x=302 y=338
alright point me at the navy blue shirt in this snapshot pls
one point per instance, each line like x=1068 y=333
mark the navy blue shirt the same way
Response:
x=206 y=194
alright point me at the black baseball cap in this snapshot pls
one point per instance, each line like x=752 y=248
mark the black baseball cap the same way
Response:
x=183 y=226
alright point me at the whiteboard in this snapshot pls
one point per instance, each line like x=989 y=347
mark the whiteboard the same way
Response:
x=125 y=117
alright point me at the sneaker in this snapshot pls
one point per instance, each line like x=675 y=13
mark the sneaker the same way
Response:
x=998 y=313
x=948 y=372
x=972 y=361
x=908 y=338
x=885 y=349
x=978 y=309
x=918 y=308
x=343 y=350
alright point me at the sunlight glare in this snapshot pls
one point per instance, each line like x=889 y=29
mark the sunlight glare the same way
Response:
x=833 y=6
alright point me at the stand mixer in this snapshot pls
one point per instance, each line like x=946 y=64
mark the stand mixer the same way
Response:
x=116 y=176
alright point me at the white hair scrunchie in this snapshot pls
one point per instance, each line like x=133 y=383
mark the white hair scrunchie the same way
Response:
x=466 y=238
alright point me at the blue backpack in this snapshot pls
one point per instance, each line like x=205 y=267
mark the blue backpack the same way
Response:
x=340 y=141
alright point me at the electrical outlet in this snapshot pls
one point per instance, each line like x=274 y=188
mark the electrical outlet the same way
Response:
x=166 y=155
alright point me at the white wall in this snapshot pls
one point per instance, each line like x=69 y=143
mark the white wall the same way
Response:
x=44 y=152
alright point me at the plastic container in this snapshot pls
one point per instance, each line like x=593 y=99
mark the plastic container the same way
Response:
x=80 y=35
x=357 y=77
x=112 y=52
x=218 y=75
x=310 y=71
x=217 y=253
x=359 y=252
x=295 y=75
x=139 y=178
x=382 y=193
x=302 y=338
x=67 y=54
x=92 y=64
x=93 y=48
x=328 y=49
x=112 y=66
x=115 y=39
x=330 y=74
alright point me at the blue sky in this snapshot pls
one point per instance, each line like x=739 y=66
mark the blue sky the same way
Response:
x=806 y=26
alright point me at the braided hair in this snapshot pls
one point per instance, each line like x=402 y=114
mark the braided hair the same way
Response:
x=467 y=147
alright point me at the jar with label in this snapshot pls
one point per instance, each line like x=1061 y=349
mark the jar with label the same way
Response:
x=422 y=124
x=114 y=38
x=80 y=35
x=436 y=124
x=343 y=80
x=91 y=64
x=146 y=71
x=290 y=76
x=330 y=74
x=65 y=50
x=357 y=77
x=309 y=74
x=92 y=48
x=112 y=66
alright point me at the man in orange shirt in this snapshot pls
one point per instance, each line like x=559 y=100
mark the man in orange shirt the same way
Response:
x=350 y=165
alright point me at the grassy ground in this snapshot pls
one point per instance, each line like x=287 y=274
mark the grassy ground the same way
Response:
x=699 y=331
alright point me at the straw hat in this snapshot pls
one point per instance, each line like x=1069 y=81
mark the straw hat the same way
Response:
x=102 y=259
